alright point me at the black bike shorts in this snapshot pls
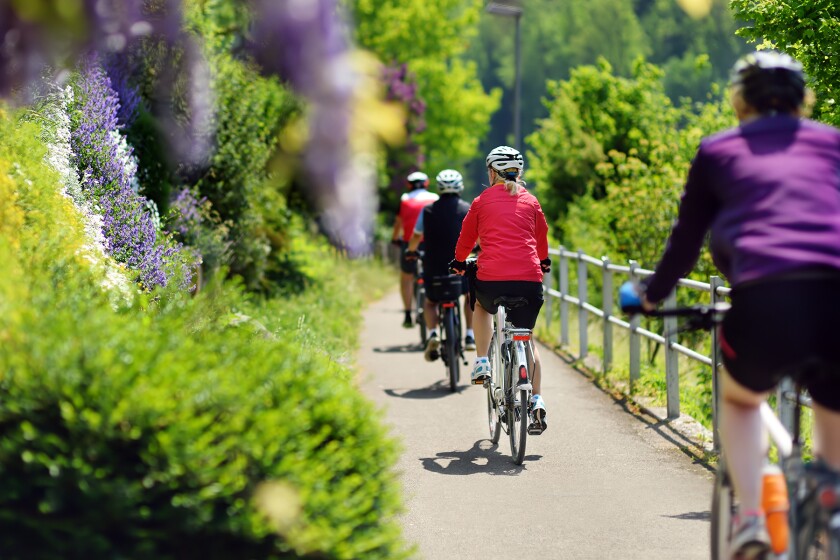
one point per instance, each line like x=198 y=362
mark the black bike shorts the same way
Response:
x=521 y=317
x=786 y=327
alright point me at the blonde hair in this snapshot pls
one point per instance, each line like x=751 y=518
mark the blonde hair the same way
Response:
x=511 y=185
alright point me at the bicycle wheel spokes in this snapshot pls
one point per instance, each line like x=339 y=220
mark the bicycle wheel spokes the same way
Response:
x=723 y=508
x=451 y=349
x=517 y=413
x=495 y=394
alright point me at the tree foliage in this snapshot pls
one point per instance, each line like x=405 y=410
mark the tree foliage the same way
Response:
x=808 y=30
x=430 y=36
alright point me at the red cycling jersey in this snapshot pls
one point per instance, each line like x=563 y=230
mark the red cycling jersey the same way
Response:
x=512 y=232
x=411 y=204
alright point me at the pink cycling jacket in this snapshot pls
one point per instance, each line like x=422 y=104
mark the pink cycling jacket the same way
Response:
x=512 y=232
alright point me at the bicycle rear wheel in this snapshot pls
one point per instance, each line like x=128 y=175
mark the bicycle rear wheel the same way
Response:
x=494 y=416
x=450 y=343
x=723 y=508
x=420 y=301
x=517 y=412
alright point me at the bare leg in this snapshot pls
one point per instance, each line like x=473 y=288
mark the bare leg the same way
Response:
x=407 y=290
x=431 y=314
x=744 y=440
x=827 y=435
x=483 y=325
x=468 y=313
x=536 y=367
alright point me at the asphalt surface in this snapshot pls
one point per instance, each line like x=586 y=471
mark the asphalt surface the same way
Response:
x=599 y=483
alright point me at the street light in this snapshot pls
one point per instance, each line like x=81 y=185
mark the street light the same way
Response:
x=512 y=10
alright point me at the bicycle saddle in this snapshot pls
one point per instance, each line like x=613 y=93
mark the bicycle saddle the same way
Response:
x=510 y=302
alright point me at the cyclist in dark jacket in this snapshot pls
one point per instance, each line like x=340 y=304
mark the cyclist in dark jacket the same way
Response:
x=439 y=226
x=769 y=192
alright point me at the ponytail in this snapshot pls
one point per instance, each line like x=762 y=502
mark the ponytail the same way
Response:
x=511 y=180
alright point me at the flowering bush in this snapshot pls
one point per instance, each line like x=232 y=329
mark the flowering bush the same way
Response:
x=107 y=176
x=402 y=87
x=194 y=222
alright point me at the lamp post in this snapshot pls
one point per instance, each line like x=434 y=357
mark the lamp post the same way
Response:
x=514 y=11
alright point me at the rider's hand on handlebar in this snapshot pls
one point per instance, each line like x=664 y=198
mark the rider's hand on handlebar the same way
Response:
x=545 y=265
x=631 y=298
x=457 y=267
x=412 y=255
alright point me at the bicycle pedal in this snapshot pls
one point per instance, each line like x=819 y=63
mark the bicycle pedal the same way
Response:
x=480 y=381
x=535 y=429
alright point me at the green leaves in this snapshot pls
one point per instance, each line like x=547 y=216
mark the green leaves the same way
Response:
x=808 y=30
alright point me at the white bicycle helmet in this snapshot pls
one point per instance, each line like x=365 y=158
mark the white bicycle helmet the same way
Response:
x=505 y=158
x=418 y=177
x=449 y=181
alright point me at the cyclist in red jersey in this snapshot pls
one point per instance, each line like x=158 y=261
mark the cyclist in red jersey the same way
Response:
x=509 y=224
x=411 y=204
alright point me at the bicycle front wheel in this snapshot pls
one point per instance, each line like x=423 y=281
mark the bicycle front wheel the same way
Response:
x=494 y=393
x=517 y=412
x=453 y=361
x=723 y=508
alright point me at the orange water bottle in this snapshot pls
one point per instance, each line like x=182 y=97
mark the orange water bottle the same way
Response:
x=774 y=502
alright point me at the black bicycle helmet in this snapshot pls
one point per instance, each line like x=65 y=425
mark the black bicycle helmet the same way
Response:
x=770 y=81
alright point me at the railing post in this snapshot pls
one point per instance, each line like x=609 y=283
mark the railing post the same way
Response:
x=784 y=406
x=715 y=282
x=583 y=323
x=549 y=284
x=635 y=339
x=564 y=305
x=672 y=374
x=607 y=305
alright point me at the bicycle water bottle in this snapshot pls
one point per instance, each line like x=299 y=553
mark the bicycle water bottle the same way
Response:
x=774 y=502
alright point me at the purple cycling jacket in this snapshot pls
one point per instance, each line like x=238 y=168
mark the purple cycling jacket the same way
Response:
x=769 y=191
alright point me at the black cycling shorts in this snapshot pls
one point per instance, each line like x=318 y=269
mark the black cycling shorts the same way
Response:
x=408 y=266
x=486 y=292
x=786 y=326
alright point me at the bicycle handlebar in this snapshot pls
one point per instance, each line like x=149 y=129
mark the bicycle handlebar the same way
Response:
x=700 y=316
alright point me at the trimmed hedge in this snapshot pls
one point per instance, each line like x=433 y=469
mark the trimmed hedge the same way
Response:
x=168 y=427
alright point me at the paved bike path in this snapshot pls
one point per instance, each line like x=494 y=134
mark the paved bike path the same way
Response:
x=599 y=483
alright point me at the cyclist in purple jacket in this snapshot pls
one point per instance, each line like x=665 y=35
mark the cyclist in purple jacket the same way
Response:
x=769 y=193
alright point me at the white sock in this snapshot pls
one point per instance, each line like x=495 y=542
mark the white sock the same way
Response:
x=433 y=332
x=470 y=333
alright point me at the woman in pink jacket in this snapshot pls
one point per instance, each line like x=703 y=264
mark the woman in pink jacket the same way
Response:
x=510 y=225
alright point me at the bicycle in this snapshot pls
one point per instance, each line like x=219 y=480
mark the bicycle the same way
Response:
x=813 y=515
x=419 y=298
x=447 y=293
x=509 y=386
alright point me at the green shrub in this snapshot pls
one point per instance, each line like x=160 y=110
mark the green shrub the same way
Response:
x=168 y=427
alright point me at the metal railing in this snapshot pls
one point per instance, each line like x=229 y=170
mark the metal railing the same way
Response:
x=669 y=341
x=715 y=289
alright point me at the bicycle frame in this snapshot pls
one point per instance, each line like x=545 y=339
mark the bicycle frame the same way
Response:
x=511 y=378
x=804 y=520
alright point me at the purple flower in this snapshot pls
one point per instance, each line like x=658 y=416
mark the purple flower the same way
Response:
x=306 y=43
x=33 y=40
x=128 y=225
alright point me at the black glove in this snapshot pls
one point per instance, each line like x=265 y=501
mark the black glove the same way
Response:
x=457 y=267
x=412 y=255
x=545 y=265
x=397 y=242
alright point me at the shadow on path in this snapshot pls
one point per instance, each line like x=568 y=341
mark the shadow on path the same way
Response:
x=404 y=348
x=482 y=458
x=438 y=390
x=693 y=516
